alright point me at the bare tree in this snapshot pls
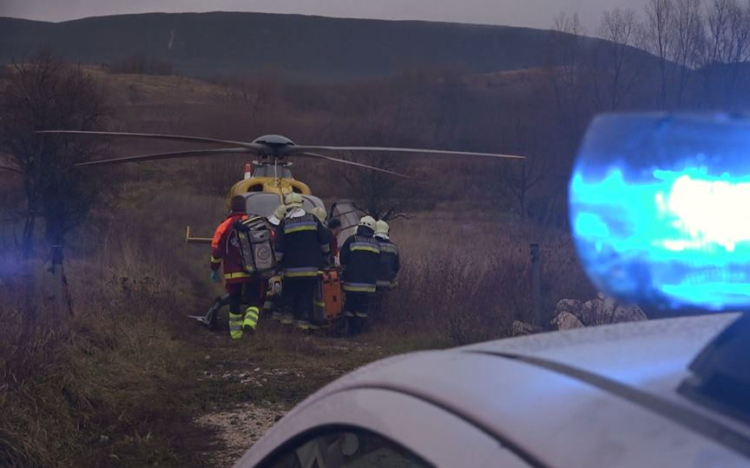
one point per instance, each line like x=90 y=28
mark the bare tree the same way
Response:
x=616 y=62
x=728 y=45
x=566 y=59
x=520 y=179
x=380 y=195
x=47 y=94
x=688 y=41
x=660 y=41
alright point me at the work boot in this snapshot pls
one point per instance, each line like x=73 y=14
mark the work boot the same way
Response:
x=235 y=326
x=303 y=325
x=276 y=315
x=287 y=319
x=251 y=319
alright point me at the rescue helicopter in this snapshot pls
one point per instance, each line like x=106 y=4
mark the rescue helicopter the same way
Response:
x=269 y=179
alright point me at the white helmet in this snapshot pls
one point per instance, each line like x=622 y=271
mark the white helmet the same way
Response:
x=293 y=200
x=382 y=229
x=278 y=214
x=319 y=213
x=368 y=221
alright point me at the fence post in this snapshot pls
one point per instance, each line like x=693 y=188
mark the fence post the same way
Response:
x=536 y=285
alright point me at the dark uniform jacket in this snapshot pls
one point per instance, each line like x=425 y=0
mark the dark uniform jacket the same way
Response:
x=360 y=257
x=389 y=264
x=302 y=243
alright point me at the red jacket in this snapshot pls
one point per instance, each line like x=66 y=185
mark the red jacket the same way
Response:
x=225 y=249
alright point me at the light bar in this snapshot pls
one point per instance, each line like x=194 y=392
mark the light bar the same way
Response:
x=660 y=209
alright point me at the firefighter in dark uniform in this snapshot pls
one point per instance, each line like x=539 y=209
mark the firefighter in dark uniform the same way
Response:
x=302 y=244
x=240 y=285
x=274 y=300
x=360 y=257
x=389 y=266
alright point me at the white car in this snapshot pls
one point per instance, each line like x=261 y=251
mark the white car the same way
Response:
x=611 y=396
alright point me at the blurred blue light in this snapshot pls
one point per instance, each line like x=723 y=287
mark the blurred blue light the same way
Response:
x=660 y=209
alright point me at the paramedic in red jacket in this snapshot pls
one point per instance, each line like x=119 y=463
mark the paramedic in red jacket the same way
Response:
x=225 y=250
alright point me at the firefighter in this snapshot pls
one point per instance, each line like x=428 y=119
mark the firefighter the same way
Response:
x=302 y=244
x=225 y=249
x=388 y=267
x=390 y=263
x=360 y=257
x=273 y=298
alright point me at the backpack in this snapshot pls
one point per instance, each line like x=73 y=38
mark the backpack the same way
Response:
x=256 y=246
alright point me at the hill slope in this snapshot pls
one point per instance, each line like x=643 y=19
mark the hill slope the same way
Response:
x=303 y=47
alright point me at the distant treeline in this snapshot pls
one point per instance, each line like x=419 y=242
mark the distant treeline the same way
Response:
x=702 y=49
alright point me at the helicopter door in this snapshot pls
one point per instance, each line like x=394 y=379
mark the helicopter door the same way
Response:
x=349 y=216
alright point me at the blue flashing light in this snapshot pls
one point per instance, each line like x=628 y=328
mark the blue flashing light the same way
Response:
x=660 y=209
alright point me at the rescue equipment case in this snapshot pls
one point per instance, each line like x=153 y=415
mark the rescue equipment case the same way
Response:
x=256 y=246
x=329 y=298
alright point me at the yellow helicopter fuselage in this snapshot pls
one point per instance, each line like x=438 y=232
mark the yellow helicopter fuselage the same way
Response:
x=279 y=186
x=268 y=178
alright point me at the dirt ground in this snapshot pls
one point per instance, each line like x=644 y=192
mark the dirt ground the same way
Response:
x=244 y=387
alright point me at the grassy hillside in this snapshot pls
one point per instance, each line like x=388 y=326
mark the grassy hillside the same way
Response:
x=129 y=381
x=302 y=47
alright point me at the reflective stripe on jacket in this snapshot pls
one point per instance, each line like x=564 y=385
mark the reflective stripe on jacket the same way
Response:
x=302 y=242
x=360 y=257
x=389 y=264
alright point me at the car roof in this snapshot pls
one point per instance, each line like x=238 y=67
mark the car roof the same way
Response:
x=612 y=386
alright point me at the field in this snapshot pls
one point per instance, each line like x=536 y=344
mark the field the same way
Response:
x=128 y=380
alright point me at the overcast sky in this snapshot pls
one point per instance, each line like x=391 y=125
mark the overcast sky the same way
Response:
x=533 y=13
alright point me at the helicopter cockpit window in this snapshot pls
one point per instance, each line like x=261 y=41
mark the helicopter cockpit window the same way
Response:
x=262 y=204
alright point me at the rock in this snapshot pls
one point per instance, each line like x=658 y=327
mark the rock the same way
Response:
x=599 y=311
x=569 y=305
x=207 y=357
x=607 y=310
x=631 y=313
x=520 y=328
x=587 y=312
x=567 y=321
x=104 y=439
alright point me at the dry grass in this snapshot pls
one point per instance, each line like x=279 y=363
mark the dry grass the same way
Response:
x=469 y=280
x=118 y=385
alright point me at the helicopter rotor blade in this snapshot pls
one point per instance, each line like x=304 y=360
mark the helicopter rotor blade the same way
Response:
x=302 y=148
x=10 y=169
x=351 y=163
x=162 y=156
x=158 y=136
